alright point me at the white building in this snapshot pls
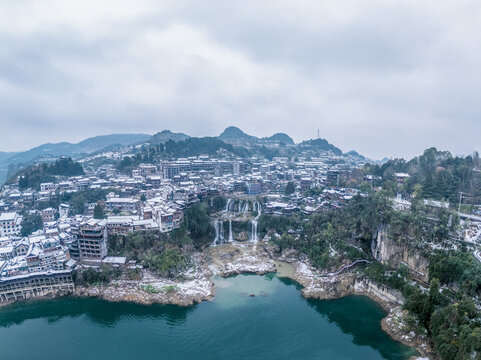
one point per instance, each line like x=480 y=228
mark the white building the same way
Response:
x=10 y=224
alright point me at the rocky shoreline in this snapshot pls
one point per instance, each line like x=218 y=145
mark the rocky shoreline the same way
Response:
x=196 y=285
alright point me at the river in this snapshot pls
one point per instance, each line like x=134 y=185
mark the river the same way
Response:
x=275 y=323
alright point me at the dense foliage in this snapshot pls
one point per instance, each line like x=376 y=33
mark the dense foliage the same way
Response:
x=457 y=267
x=440 y=175
x=330 y=237
x=336 y=236
x=89 y=277
x=31 y=223
x=169 y=253
x=99 y=212
x=174 y=149
x=290 y=188
x=33 y=176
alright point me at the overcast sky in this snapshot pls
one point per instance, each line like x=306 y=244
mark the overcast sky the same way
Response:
x=386 y=78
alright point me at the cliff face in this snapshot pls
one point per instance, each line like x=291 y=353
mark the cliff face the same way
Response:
x=394 y=254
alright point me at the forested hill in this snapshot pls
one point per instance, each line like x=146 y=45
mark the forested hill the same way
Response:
x=34 y=175
x=320 y=144
x=436 y=174
x=192 y=146
x=67 y=149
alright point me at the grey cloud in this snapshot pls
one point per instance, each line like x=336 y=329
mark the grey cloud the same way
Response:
x=386 y=79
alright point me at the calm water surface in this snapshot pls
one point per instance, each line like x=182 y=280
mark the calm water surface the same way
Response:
x=275 y=324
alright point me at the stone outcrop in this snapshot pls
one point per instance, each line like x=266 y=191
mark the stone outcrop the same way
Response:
x=394 y=254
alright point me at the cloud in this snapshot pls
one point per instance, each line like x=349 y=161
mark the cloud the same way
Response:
x=382 y=77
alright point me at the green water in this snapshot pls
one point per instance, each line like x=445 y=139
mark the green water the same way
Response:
x=278 y=323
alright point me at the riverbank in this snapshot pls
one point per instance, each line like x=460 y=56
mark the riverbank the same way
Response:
x=316 y=286
x=196 y=285
x=192 y=286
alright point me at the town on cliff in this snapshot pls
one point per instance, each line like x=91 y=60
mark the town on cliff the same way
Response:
x=157 y=221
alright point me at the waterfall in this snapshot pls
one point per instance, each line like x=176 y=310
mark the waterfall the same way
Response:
x=231 y=236
x=216 y=227
x=246 y=207
x=227 y=205
x=254 y=236
x=221 y=232
x=259 y=209
x=240 y=205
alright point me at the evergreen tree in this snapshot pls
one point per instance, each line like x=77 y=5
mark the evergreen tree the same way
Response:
x=99 y=212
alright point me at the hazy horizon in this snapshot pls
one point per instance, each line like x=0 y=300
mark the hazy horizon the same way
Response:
x=386 y=79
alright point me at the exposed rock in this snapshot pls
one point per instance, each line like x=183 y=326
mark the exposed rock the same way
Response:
x=232 y=259
x=393 y=254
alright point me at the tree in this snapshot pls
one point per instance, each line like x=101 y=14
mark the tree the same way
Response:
x=31 y=223
x=78 y=203
x=99 y=212
x=290 y=188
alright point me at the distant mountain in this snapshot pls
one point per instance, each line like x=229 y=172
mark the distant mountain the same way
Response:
x=234 y=133
x=320 y=144
x=354 y=153
x=166 y=135
x=280 y=137
x=5 y=155
x=86 y=146
x=99 y=142
x=194 y=146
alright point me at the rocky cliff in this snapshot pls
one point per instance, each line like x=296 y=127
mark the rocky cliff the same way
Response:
x=394 y=254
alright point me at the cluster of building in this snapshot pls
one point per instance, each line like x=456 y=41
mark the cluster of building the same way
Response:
x=151 y=197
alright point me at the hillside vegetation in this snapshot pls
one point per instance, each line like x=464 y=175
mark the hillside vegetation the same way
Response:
x=34 y=175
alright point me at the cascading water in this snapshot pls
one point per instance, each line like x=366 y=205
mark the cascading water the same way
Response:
x=254 y=237
x=221 y=232
x=216 y=227
x=246 y=207
x=227 y=205
x=231 y=236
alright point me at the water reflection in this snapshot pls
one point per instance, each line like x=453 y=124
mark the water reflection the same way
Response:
x=361 y=317
x=252 y=317
x=98 y=311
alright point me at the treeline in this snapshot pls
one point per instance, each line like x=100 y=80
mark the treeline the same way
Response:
x=440 y=175
x=34 y=175
x=77 y=200
x=30 y=223
x=327 y=238
x=166 y=254
x=90 y=277
x=332 y=238
x=169 y=253
x=174 y=149
x=446 y=311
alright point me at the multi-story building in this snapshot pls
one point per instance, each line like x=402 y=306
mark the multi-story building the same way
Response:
x=401 y=178
x=147 y=169
x=91 y=238
x=123 y=204
x=63 y=210
x=48 y=186
x=10 y=224
x=27 y=286
x=48 y=214
x=332 y=177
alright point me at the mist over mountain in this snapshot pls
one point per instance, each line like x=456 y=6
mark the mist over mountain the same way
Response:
x=232 y=136
x=50 y=152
